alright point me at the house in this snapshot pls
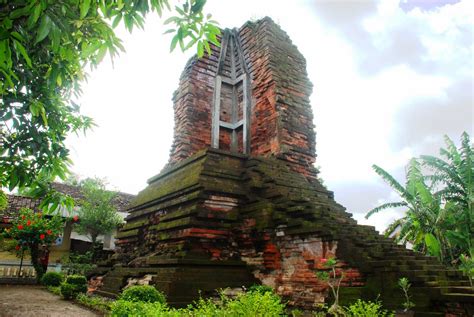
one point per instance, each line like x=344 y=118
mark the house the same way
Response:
x=70 y=240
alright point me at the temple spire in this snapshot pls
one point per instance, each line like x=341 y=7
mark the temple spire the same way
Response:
x=231 y=102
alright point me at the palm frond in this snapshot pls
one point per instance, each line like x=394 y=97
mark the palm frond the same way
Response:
x=391 y=181
x=385 y=206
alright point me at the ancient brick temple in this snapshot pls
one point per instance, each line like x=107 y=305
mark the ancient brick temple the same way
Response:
x=240 y=203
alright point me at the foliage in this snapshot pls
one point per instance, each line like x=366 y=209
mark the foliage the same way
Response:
x=68 y=291
x=97 y=214
x=262 y=289
x=255 y=303
x=367 y=309
x=143 y=293
x=44 y=49
x=467 y=267
x=251 y=304
x=73 y=286
x=439 y=207
x=52 y=279
x=333 y=279
x=122 y=308
x=454 y=173
x=405 y=285
x=94 y=302
x=56 y=290
x=75 y=263
x=31 y=230
x=76 y=279
x=3 y=200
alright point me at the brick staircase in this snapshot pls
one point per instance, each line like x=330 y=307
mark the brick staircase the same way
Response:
x=304 y=208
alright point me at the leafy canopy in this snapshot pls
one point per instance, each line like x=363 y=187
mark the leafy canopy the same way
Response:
x=45 y=47
x=439 y=215
x=97 y=213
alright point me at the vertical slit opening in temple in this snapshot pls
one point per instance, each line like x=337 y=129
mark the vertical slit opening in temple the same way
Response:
x=231 y=103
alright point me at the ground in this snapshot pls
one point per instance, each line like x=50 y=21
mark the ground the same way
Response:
x=26 y=301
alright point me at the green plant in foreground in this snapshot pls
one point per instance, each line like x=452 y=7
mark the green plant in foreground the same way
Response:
x=143 y=293
x=73 y=286
x=405 y=285
x=333 y=279
x=467 y=267
x=52 y=279
x=367 y=309
x=94 y=302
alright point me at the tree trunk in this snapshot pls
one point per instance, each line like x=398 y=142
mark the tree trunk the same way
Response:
x=34 y=252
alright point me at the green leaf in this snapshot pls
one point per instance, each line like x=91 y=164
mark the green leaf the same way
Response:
x=85 y=5
x=35 y=16
x=117 y=20
x=43 y=30
x=169 y=31
x=174 y=41
x=200 y=49
x=23 y=52
x=433 y=244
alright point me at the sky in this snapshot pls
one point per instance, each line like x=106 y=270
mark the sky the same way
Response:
x=391 y=78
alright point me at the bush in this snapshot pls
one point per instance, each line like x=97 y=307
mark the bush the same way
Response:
x=262 y=289
x=255 y=304
x=367 y=309
x=143 y=293
x=68 y=291
x=95 y=302
x=76 y=280
x=122 y=308
x=56 y=290
x=52 y=279
x=74 y=285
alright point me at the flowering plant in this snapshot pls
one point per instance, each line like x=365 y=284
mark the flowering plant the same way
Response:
x=31 y=230
x=333 y=278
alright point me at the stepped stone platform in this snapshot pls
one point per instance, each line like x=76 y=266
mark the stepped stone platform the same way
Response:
x=240 y=202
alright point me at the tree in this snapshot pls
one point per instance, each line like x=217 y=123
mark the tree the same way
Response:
x=30 y=230
x=44 y=49
x=438 y=217
x=97 y=214
x=455 y=176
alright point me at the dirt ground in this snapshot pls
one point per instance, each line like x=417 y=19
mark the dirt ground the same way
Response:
x=36 y=301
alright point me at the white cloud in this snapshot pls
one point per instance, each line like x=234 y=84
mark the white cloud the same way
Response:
x=375 y=68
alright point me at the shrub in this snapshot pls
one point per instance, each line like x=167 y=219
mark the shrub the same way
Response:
x=255 y=303
x=56 y=290
x=74 y=285
x=122 y=308
x=262 y=289
x=68 y=291
x=52 y=279
x=204 y=308
x=76 y=280
x=367 y=309
x=143 y=293
x=94 y=302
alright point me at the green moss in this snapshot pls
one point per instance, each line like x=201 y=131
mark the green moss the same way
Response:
x=173 y=182
x=124 y=234
x=134 y=224
x=171 y=224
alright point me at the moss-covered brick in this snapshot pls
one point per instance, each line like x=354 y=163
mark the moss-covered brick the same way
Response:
x=178 y=223
x=125 y=234
x=173 y=182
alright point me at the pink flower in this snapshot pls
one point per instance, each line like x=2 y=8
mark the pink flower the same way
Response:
x=323 y=260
